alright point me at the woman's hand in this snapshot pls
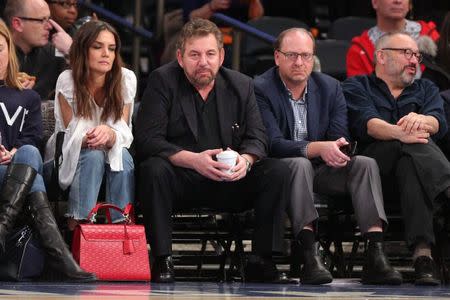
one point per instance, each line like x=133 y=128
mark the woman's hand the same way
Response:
x=100 y=137
x=5 y=155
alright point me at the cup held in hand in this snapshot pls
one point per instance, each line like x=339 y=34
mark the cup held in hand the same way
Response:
x=227 y=157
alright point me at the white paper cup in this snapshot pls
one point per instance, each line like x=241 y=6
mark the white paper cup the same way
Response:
x=227 y=157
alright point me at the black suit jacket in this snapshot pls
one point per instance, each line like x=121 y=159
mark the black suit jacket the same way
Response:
x=167 y=120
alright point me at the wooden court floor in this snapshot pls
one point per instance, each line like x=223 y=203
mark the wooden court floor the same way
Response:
x=339 y=289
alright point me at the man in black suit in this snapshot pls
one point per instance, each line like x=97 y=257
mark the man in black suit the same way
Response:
x=191 y=110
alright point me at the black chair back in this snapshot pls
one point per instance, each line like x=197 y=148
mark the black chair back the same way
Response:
x=348 y=27
x=257 y=55
x=332 y=55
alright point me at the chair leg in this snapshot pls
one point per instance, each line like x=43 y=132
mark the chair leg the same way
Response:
x=339 y=258
x=351 y=259
x=226 y=244
x=239 y=252
x=202 y=255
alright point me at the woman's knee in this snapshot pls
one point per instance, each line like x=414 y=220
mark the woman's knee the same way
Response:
x=29 y=150
x=92 y=159
x=127 y=161
x=89 y=155
x=28 y=155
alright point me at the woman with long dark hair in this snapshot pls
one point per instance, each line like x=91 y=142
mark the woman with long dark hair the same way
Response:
x=21 y=165
x=93 y=105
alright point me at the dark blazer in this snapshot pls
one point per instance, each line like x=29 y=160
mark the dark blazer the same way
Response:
x=326 y=107
x=167 y=119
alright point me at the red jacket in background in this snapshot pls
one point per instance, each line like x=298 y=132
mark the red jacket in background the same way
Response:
x=360 y=53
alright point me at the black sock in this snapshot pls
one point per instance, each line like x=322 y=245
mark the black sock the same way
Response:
x=375 y=236
x=306 y=238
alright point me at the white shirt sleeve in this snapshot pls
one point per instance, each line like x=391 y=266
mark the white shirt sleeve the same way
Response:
x=124 y=136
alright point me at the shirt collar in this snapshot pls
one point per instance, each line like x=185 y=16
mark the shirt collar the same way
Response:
x=302 y=99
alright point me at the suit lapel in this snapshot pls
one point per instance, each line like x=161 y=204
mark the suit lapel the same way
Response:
x=285 y=103
x=187 y=104
x=313 y=111
x=225 y=110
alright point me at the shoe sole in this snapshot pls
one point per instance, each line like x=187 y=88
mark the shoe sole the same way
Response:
x=163 y=281
x=80 y=280
x=317 y=281
x=427 y=282
x=383 y=281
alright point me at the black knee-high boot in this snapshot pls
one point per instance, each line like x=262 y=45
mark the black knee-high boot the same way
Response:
x=15 y=187
x=60 y=258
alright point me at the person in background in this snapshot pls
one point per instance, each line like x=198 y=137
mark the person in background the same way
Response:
x=391 y=17
x=65 y=13
x=396 y=119
x=93 y=105
x=22 y=192
x=242 y=10
x=438 y=68
x=40 y=53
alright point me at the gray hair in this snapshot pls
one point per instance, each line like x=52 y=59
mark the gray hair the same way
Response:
x=383 y=41
x=13 y=8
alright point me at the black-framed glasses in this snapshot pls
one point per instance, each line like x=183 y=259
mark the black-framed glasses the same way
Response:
x=408 y=53
x=43 y=20
x=65 y=4
x=293 y=56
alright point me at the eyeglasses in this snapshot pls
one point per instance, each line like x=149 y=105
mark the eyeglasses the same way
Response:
x=293 y=56
x=65 y=4
x=43 y=21
x=408 y=53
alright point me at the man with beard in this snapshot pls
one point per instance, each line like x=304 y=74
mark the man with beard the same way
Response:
x=395 y=119
x=391 y=17
x=306 y=119
x=193 y=109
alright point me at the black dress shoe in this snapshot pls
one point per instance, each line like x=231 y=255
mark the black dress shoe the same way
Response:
x=162 y=270
x=425 y=271
x=258 y=269
x=314 y=271
x=377 y=269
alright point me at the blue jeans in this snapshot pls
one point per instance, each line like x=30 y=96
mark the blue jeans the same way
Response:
x=28 y=155
x=88 y=177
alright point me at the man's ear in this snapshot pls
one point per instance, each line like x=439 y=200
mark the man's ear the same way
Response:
x=276 y=57
x=222 y=55
x=381 y=57
x=374 y=4
x=180 y=58
x=16 y=24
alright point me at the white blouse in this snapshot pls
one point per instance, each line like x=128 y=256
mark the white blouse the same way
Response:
x=78 y=127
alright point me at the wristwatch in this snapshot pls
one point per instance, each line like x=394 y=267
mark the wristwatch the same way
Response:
x=247 y=164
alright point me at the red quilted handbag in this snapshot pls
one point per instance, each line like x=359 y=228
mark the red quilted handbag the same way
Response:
x=116 y=252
